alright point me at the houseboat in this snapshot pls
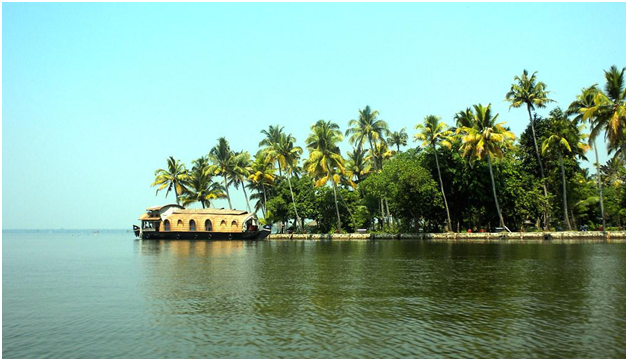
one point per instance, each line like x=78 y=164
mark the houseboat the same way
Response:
x=173 y=221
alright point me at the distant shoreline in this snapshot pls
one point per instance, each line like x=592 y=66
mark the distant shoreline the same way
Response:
x=514 y=236
x=615 y=236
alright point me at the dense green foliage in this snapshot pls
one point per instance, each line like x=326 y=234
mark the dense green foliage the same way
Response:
x=406 y=184
x=475 y=175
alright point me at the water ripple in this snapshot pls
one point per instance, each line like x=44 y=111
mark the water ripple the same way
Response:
x=386 y=299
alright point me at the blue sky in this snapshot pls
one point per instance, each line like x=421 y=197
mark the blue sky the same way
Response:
x=96 y=96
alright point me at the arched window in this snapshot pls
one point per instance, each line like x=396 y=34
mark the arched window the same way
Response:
x=179 y=223
x=223 y=225
x=234 y=226
x=192 y=225
x=208 y=225
x=166 y=225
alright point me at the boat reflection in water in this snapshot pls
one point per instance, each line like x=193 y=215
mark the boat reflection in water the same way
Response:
x=190 y=247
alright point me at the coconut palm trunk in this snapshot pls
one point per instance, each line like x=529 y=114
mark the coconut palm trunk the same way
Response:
x=333 y=183
x=442 y=189
x=348 y=210
x=264 y=191
x=499 y=212
x=224 y=177
x=599 y=186
x=381 y=206
x=246 y=197
x=336 y=203
x=574 y=223
x=538 y=158
x=292 y=195
x=381 y=201
x=562 y=171
x=176 y=194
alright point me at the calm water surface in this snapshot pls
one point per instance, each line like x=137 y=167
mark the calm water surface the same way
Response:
x=81 y=295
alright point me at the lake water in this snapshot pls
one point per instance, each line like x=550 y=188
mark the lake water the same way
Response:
x=76 y=294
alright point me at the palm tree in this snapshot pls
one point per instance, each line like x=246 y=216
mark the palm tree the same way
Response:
x=586 y=100
x=609 y=112
x=221 y=157
x=528 y=91
x=357 y=164
x=398 y=138
x=173 y=178
x=344 y=177
x=239 y=171
x=433 y=132
x=200 y=164
x=611 y=174
x=564 y=140
x=262 y=176
x=464 y=118
x=325 y=158
x=368 y=128
x=200 y=187
x=485 y=139
x=272 y=138
x=381 y=152
x=287 y=156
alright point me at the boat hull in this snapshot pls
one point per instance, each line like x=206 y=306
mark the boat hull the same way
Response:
x=207 y=236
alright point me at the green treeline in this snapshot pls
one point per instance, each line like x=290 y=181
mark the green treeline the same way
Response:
x=472 y=174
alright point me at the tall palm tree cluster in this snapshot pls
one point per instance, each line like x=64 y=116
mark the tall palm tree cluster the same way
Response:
x=477 y=136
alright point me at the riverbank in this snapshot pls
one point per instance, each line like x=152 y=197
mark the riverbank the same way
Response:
x=615 y=236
